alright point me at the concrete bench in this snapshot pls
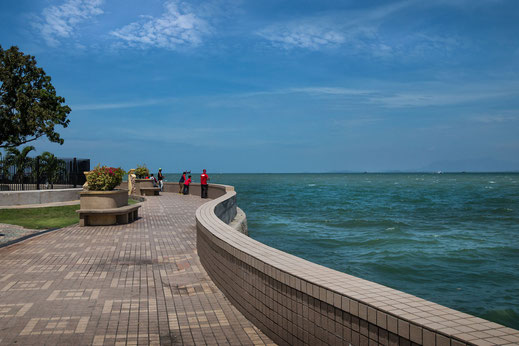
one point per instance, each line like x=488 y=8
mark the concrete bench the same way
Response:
x=150 y=191
x=121 y=215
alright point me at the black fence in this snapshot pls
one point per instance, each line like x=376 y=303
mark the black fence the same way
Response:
x=35 y=175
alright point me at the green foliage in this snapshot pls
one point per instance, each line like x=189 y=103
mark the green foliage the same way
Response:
x=50 y=167
x=29 y=106
x=142 y=171
x=20 y=160
x=105 y=178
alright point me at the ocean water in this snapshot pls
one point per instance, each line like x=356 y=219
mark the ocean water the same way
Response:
x=449 y=238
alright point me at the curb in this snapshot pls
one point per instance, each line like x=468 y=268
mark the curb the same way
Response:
x=25 y=237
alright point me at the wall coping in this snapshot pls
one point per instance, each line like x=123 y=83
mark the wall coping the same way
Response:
x=26 y=197
x=399 y=312
x=103 y=192
x=39 y=191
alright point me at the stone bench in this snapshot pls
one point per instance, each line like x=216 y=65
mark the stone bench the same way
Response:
x=121 y=215
x=150 y=191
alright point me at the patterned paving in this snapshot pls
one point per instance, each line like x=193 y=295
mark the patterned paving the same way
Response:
x=136 y=284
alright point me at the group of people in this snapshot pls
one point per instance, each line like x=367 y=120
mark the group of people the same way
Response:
x=159 y=181
x=184 y=182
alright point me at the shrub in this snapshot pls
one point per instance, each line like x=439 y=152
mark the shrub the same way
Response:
x=142 y=171
x=104 y=178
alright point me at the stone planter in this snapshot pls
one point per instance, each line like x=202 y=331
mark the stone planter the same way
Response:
x=146 y=183
x=103 y=200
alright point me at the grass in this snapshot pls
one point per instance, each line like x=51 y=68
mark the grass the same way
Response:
x=44 y=218
x=41 y=218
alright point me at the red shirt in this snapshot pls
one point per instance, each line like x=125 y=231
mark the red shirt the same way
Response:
x=203 y=179
x=187 y=182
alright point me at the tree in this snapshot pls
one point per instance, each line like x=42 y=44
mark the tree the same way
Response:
x=20 y=160
x=50 y=167
x=29 y=106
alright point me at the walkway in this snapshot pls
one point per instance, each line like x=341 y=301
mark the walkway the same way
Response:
x=140 y=283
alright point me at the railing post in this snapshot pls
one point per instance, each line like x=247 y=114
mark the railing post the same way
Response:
x=37 y=166
x=74 y=166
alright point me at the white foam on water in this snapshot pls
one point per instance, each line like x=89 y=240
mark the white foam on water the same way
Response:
x=311 y=185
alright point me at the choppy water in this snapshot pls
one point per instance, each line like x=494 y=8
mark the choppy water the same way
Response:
x=450 y=238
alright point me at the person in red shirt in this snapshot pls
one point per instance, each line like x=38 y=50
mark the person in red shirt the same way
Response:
x=186 y=185
x=203 y=184
x=181 y=182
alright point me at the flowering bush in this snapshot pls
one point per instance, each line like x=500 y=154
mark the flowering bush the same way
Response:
x=142 y=171
x=104 y=178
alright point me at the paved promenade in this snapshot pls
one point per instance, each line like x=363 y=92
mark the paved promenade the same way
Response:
x=140 y=283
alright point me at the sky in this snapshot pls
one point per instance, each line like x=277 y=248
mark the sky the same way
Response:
x=279 y=86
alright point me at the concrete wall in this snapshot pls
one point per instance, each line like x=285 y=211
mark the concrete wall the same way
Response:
x=8 y=198
x=215 y=190
x=296 y=302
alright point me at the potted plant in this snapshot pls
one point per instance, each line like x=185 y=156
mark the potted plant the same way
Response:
x=142 y=172
x=104 y=178
x=101 y=193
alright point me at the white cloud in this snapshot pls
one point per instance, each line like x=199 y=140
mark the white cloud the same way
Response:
x=120 y=105
x=177 y=27
x=308 y=36
x=443 y=95
x=360 y=32
x=60 y=22
x=497 y=118
x=355 y=121
x=329 y=29
x=329 y=91
x=398 y=95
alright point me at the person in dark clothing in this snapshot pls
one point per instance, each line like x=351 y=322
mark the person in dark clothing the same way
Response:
x=203 y=184
x=181 y=183
x=186 y=185
x=160 y=177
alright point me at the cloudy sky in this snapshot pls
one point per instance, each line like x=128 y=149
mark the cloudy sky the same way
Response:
x=280 y=86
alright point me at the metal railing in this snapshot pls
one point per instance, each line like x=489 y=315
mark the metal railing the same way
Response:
x=35 y=176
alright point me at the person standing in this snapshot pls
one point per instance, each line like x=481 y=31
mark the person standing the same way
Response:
x=181 y=183
x=160 y=177
x=203 y=184
x=186 y=185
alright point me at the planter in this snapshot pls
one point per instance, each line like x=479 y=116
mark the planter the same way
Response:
x=103 y=200
x=142 y=183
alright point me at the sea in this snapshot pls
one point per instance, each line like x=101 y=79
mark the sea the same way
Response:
x=449 y=238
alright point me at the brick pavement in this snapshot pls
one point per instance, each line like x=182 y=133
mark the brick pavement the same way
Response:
x=140 y=283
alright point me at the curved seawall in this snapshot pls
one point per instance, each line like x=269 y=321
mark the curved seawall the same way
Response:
x=295 y=301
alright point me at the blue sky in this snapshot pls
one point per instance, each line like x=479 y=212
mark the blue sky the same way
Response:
x=280 y=86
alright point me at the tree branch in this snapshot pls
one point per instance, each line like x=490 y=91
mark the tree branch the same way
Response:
x=14 y=145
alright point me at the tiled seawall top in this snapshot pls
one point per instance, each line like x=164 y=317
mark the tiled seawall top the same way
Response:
x=295 y=301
